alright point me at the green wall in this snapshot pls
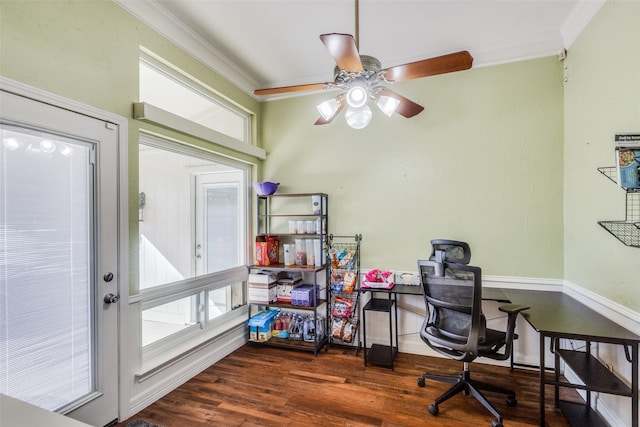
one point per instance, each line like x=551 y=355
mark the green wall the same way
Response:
x=88 y=51
x=602 y=98
x=485 y=162
x=482 y=163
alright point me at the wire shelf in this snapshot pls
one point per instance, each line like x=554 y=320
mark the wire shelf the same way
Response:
x=338 y=269
x=627 y=231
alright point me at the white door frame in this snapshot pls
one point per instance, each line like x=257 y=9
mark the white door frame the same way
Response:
x=122 y=274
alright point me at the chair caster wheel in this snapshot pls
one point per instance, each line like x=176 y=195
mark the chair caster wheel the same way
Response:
x=512 y=401
x=433 y=409
x=496 y=423
x=421 y=382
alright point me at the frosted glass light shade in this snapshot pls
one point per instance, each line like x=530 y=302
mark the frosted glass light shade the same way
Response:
x=328 y=108
x=358 y=118
x=387 y=104
x=357 y=96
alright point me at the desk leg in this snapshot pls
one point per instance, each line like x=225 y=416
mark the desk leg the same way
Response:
x=555 y=346
x=634 y=384
x=395 y=308
x=542 y=365
x=364 y=336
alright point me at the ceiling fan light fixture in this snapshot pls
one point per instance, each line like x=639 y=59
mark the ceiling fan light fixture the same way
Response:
x=328 y=108
x=357 y=95
x=358 y=118
x=388 y=104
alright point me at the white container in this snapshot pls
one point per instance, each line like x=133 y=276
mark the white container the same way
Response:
x=301 y=226
x=293 y=227
x=301 y=252
x=310 y=227
x=315 y=205
x=289 y=254
x=309 y=247
x=317 y=252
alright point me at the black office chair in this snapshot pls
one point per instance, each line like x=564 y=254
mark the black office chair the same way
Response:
x=455 y=326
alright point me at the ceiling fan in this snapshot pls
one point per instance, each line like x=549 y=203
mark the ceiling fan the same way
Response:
x=362 y=77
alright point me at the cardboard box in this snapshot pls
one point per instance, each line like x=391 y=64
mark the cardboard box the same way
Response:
x=263 y=288
x=303 y=295
x=260 y=325
x=628 y=165
x=285 y=286
x=267 y=252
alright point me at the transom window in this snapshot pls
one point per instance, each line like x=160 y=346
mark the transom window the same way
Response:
x=168 y=89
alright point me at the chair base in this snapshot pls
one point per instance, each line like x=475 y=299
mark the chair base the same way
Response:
x=464 y=384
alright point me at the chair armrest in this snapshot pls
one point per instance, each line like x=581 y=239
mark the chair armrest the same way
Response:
x=513 y=308
x=512 y=311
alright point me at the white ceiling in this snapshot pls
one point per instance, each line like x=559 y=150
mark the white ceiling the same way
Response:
x=270 y=43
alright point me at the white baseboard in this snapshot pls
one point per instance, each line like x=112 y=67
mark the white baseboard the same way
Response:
x=187 y=369
x=613 y=311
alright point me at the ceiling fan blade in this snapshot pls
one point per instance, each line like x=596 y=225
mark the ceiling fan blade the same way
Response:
x=457 y=61
x=407 y=107
x=343 y=49
x=322 y=121
x=290 y=89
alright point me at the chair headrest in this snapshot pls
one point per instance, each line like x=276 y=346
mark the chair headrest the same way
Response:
x=450 y=251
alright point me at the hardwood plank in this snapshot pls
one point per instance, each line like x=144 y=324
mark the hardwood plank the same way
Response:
x=262 y=386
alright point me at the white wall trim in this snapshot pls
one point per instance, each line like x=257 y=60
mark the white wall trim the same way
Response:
x=582 y=13
x=157 y=18
x=18 y=88
x=613 y=311
x=524 y=283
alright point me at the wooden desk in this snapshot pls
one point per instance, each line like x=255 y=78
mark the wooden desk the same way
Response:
x=556 y=315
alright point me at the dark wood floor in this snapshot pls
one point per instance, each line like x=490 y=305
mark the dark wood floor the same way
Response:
x=259 y=386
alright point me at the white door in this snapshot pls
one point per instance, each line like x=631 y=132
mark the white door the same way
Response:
x=58 y=259
x=219 y=232
x=220 y=229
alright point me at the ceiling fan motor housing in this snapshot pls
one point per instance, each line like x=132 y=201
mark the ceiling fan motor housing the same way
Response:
x=371 y=66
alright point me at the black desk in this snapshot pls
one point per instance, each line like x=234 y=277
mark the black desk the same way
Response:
x=556 y=315
x=384 y=355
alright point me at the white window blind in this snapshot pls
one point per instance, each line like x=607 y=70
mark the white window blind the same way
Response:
x=46 y=238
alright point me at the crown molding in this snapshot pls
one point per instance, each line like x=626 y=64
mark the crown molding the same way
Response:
x=582 y=13
x=157 y=18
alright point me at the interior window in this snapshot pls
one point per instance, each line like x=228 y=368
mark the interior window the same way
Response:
x=192 y=225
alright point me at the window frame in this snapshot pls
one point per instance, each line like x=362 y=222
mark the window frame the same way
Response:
x=163 y=350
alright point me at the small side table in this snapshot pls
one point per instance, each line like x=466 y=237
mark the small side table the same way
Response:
x=381 y=354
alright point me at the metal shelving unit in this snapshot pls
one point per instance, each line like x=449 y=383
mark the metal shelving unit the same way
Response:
x=344 y=290
x=274 y=213
x=627 y=231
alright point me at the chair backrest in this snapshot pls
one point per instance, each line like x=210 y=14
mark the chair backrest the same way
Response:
x=450 y=251
x=454 y=323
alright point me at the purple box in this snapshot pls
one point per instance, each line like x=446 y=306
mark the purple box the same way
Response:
x=303 y=295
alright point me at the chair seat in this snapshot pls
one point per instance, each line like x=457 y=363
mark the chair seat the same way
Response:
x=489 y=346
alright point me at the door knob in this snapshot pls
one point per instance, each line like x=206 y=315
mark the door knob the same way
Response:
x=111 y=298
